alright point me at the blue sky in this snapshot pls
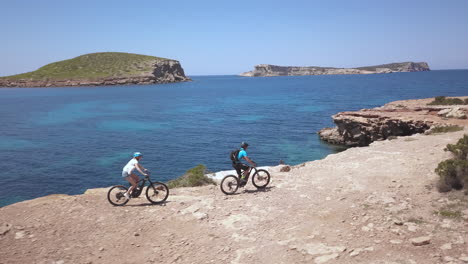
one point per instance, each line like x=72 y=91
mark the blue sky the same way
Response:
x=230 y=37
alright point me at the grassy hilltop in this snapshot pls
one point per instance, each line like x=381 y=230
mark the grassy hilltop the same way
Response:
x=93 y=66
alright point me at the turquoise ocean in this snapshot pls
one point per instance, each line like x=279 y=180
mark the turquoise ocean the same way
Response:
x=67 y=140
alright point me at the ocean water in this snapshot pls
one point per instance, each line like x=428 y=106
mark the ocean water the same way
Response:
x=67 y=140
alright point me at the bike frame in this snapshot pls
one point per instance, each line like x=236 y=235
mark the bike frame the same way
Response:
x=250 y=171
x=140 y=186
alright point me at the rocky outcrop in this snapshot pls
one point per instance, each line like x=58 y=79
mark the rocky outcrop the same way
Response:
x=163 y=71
x=266 y=70
x=401 y=118
x=361 y=129
x=168 y=72
x=455 y=112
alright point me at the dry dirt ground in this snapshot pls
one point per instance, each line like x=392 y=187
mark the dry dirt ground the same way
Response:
x=363 y=205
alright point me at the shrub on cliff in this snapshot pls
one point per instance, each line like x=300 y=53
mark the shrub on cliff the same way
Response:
x=442 y=100
x=454 y=172
x=443 y=129
x=193 y=177
x=460 y=150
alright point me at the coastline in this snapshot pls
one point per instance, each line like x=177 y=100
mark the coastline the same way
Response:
x=362 y=205
x=398 y=118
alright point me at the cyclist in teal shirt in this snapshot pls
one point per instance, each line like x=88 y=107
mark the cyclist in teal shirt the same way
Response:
x=239 y=166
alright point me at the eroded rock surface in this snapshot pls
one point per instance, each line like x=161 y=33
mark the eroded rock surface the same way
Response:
x=400 y=118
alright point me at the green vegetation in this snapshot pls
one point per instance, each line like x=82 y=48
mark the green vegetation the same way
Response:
x=392 y=66
x=92 y=66
x=442 y=100
x=416 y=220
x=446 y=129
x=454 y=172
x=193 y=177
x=449 y=214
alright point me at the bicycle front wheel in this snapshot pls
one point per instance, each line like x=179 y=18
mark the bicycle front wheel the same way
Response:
x=157 y=192
x=116 y=197
x=261 y=178
x=229 y=184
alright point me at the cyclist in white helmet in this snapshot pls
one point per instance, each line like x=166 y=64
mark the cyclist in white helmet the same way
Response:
x=131 y=177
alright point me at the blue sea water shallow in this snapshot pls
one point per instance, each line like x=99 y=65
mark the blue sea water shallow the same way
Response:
x=67 y=140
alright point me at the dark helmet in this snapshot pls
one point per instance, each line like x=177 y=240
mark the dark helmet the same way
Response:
x=244 y=145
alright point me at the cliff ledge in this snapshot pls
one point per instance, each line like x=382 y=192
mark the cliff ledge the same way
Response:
x=399 y=118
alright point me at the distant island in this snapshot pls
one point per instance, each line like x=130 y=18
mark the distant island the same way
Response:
x=104 y=68
x=267 y=70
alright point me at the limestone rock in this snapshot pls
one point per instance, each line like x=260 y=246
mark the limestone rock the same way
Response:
x=412 y=228
x=444 y=112
x=355 y=252
x=20 y=234
x=395 y=119
x=455 y=112
x=363 y=127
x=446 y=246
x=465 y=214
x=449 y=259
x=4 y=228
x=420 y=241
x=326 y=258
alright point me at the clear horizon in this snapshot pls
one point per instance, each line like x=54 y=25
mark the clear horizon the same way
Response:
x=216 y=38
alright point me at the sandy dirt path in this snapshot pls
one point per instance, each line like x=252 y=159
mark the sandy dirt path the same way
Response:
x=363 y=205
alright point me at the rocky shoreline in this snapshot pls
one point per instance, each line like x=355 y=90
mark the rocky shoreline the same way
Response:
x=267 y=70
x=374 y=204
x=163 y=71
x=400 y=118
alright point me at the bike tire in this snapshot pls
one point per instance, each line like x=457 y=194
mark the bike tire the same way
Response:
x=157 y=192
x=115 y=195
x=261 y=179
x=229 y=184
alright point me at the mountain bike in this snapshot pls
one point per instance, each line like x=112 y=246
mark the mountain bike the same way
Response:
x=156 y=192
x=231 y=183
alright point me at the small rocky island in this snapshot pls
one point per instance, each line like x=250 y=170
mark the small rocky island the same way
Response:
x=104 y=68
x=266 y=70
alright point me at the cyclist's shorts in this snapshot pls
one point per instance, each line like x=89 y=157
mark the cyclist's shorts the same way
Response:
x=125 y=174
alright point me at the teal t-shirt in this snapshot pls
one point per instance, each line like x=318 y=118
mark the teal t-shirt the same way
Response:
x=241 y=154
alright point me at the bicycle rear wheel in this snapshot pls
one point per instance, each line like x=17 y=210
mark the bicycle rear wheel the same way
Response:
x=116 y=197
x=261 y=178
x=229 y=184
x=157 y=192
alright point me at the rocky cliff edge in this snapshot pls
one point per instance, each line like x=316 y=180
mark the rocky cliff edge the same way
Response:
x=399 y=118
x=375 y=204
